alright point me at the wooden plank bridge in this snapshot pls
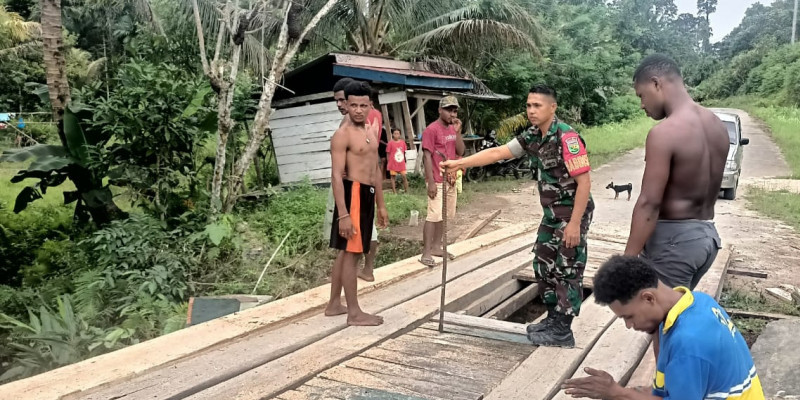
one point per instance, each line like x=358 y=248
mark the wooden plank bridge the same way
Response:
x=288 y=350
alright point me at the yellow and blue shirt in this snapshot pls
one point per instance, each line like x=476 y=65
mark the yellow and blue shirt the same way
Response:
x=702 y=355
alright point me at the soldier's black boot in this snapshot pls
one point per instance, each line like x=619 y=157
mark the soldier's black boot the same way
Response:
x=557 y=334
x=542 y=325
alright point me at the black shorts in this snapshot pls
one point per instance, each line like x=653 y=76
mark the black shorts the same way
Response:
x=360 y=202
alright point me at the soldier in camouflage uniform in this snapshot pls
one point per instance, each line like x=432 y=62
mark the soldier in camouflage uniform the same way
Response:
x=559 y=155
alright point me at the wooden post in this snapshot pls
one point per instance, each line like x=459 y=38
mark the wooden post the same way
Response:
x=397 y=112
x=407 y=119
x=410 y=135
x=386 y=124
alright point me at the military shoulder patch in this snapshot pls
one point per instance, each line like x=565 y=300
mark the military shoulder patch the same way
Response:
x=573 y=144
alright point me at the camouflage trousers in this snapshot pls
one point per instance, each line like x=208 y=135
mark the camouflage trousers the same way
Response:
x=558 y=269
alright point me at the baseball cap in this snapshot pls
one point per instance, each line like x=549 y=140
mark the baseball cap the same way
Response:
x=448 y=101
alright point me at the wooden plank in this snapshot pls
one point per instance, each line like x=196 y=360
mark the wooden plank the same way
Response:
x=455 y=348
x=514 y=303
x=780 y=294
x=153 y=354
x=477 y=368
x=756 y=314
x=711 y=284
x=540 y=375
x=311 y=158
x=394 y=97
x=313 y=175
x=483 y=323
x=275 y=377
x=396 y=368
x=286 y=124
x=617 y=352
x=420 y=106
x=305 y=167
x=644 y=373
x=480 y=333
x=744 y=272
x=304 y=133
x=354 y=392
x=301 y=99
x=485 y=303
x=303 y=110
x=345 y=378
x=304 y=148
x=410 y=134
x=378 y=382
x=477 y=226
x=468 y=343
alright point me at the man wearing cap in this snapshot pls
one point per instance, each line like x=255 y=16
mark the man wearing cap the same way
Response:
x=559 y=155
x=440 y=139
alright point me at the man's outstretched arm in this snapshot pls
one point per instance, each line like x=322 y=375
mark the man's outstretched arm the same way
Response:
x=658 y=154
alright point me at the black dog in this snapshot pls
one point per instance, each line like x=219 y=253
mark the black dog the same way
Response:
x=619 y=189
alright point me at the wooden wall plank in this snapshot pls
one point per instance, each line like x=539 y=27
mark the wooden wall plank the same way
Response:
x=328 y=107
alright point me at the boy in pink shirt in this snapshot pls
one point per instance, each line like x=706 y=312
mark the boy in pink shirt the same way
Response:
x=396 y=154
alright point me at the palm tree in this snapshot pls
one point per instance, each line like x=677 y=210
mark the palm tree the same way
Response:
x=55 y=61
x=463 y=31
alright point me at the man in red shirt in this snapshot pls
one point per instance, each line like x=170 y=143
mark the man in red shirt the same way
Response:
x=440 y=138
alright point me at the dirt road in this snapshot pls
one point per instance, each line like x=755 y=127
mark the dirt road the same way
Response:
x=762 y=244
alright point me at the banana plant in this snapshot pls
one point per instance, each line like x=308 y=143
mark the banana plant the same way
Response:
x=52 y=165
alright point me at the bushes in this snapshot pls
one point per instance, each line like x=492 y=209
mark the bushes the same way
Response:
x=301 y=211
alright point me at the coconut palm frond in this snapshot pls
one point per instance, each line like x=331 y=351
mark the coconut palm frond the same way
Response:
x=446 y=66
x=144 y=11
x=21 y=48
x=510 y=126
x=95 y=68
x=486 y=33
x=254 y=54
x=17 y=28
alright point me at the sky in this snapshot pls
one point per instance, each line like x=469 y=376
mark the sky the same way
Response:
x=727 y=17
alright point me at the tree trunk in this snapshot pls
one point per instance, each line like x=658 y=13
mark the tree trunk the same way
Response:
x=58 y=90
x=227 y=87
x=284 y=52
x=55 y=62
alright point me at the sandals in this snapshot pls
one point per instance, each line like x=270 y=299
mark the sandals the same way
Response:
x=429 y=262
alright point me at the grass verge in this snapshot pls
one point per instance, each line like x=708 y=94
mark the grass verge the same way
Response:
x=751 y=328
x=781 y=205
x=607 y=142
x=783 y=123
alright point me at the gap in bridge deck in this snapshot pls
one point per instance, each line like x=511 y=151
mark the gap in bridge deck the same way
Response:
x=535 y=309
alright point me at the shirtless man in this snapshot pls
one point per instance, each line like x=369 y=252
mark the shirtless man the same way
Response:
x=369 y=259
x=354 y=149
x=684 y=160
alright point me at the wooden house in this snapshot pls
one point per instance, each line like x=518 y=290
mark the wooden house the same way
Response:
x=305 y=120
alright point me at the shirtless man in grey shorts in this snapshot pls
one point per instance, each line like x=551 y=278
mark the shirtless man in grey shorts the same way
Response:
x=685 y=155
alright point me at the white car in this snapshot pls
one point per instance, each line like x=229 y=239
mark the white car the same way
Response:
x=733 y=165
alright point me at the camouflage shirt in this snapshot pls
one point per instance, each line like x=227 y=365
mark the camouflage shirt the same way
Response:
x=557 y=157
